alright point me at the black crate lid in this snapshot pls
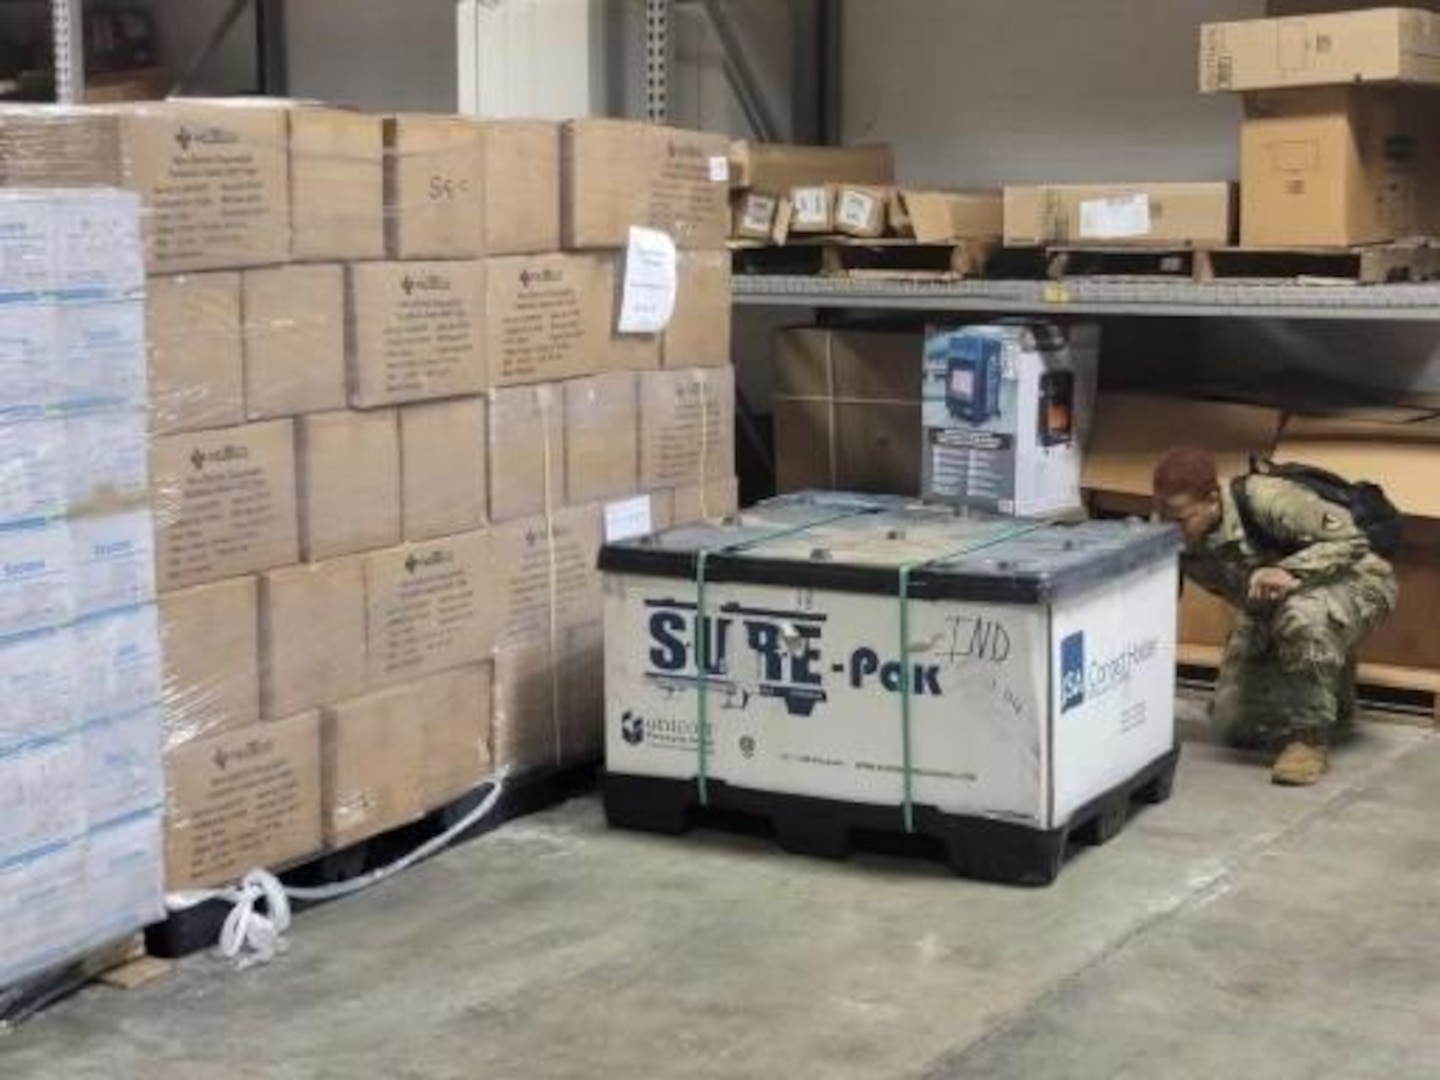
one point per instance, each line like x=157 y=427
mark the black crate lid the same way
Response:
x=862 y=543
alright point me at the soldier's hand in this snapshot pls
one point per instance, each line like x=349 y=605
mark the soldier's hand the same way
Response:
x=1272 y=583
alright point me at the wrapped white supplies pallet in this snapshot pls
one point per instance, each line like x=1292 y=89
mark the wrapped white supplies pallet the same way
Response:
x=839 y=664
x=80 y=778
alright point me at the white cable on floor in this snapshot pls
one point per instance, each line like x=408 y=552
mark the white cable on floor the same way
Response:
x=249 y=937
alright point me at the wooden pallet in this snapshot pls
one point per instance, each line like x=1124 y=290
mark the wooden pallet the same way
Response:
x=124 y=965
x=887 y=258
x=1394 y=694
x=1378 y=264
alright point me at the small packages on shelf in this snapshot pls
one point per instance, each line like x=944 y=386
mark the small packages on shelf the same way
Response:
x=394 y=414
x=80 y=774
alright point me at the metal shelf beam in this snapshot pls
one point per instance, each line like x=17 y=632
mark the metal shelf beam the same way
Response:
x=1403 y=303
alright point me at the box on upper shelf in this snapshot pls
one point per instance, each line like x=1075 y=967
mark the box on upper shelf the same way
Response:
x=1183 y=214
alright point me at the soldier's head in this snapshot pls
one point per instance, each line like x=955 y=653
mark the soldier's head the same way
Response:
x=1187 y=491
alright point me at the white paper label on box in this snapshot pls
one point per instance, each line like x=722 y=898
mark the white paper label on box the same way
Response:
x=648 y=300
x=628 y=518
x=1120 y=217
x=759 y=214
x=811 y=207
x=855 y=209
x=720 y=169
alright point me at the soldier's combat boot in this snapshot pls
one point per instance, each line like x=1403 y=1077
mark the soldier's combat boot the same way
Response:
x=1300 y=764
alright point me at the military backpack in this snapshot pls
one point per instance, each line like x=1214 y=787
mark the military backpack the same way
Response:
x=1373 y=512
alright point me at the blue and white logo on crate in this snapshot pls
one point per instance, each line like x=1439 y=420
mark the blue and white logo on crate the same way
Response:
x=1072 y=671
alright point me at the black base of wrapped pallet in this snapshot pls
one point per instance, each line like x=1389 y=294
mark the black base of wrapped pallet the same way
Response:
x=198 y=928
x=980 y=848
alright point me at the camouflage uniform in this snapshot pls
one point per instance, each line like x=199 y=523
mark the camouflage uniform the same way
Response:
x=1289 y=667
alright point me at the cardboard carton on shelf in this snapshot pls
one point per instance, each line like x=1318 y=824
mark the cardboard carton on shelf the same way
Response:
x=242 y=799
x=545 y=317
x=434 y=187
x=337 y=184
x=778 y=167
x=601 y=437
x=548 y=701
x=521 y=188
x=942 y=217
x=527 y=450
x=687 y=427
x=546 y=576
x=1388 y=45
x=294 y=335
x=313 y=645
x=699 y=330
x=210 y=639
x=753 y=215
x=620 y=173
x=1182 y=214
x=861 y=210
x=1339 y=166
x=196 y=354
x=224 y=502
x=443 y=456
x=718 y=498
x=349 y=471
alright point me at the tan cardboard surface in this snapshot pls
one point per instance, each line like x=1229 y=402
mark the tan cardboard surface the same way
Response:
x=349 y=469
x=210 y=640
x=718 y=498
x=619 y=173
x=547 y=701
x=1132 y=432
x=546 y=577
x=372 y=748
x=777 y=167
x=196 y=359
x=443 y=450
x=521 y=186
x=699 y=331
x=687 y=426
x=938 y=217
x=527 y=450
x=294 y=330
x=602 y=437
x=414 y=331
x=312 y=635
x=544 y=317
x=434 y=187
x=861 y=210
x=753 y=215
x=337 y=184
x=1199 y=214
x=453 y=709
x=244 y=799
x=1387 y=45
x=429 y=607
x=224 y=503
x=1401 y=458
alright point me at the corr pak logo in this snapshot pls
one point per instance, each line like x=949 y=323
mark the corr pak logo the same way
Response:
x=1072 y=671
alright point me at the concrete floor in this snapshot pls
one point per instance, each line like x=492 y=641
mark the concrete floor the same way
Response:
x=1240 y=930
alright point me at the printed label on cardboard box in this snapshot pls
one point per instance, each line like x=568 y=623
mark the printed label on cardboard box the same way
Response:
x=757 y=214
x=118 y=663
x=811 y=208
x=855 y=209
x=545 y=324
x=37 y=684
x=547 y=572
x=32 y=477
x=113 y=560
x=1116 y=218
x=123 y=774
x=36 y=579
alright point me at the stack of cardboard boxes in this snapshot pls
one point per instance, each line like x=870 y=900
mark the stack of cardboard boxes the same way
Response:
x=392 y=422
x=80 y=773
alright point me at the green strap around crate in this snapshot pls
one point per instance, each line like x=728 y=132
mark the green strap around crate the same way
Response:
x=907 y=749
x=702 y=637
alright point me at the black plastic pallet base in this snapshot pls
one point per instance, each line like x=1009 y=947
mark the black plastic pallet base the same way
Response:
x=198 y=928
x=980 y=848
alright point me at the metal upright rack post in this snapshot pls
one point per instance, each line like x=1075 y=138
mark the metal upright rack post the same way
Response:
x=67 y=26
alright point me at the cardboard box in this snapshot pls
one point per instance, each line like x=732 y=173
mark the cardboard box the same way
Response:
x=847 y=410
x=349 y=469
x=625 y=352
x=1401 y=458
x=716 y=499
x=1007 y=412
x=1198 y=215
x=107 y=455
x=942 y=217
x=434 y=187
x=806 y=210
x=545 y=317
x=601 y=437
x=414 y=332
x=224 y=503
x=213 y=178
x=294 y=332
x=1338 y=166
x=546 y=576
x=861 y=211
x=337 y=184
x=240 y=800
x=443 y=451
x=527 y=451
x=521 y=186
x=429 y=607
x=210 y=641
x=687 y=426
x=196 y=357
x=37 y=591
x=312 y=635
x=1132 y=432
x=1385 y=45
x=776 y=167
x=699 y=331
x=619 y=173
x=549 y=702
x=1276 y=8
x=454 y=713
x=754 y=215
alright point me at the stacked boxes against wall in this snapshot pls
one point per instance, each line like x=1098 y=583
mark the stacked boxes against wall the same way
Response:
x=391 y=419
x=80 y=774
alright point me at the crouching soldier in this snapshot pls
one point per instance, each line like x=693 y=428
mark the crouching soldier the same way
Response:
x=1308 y=587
